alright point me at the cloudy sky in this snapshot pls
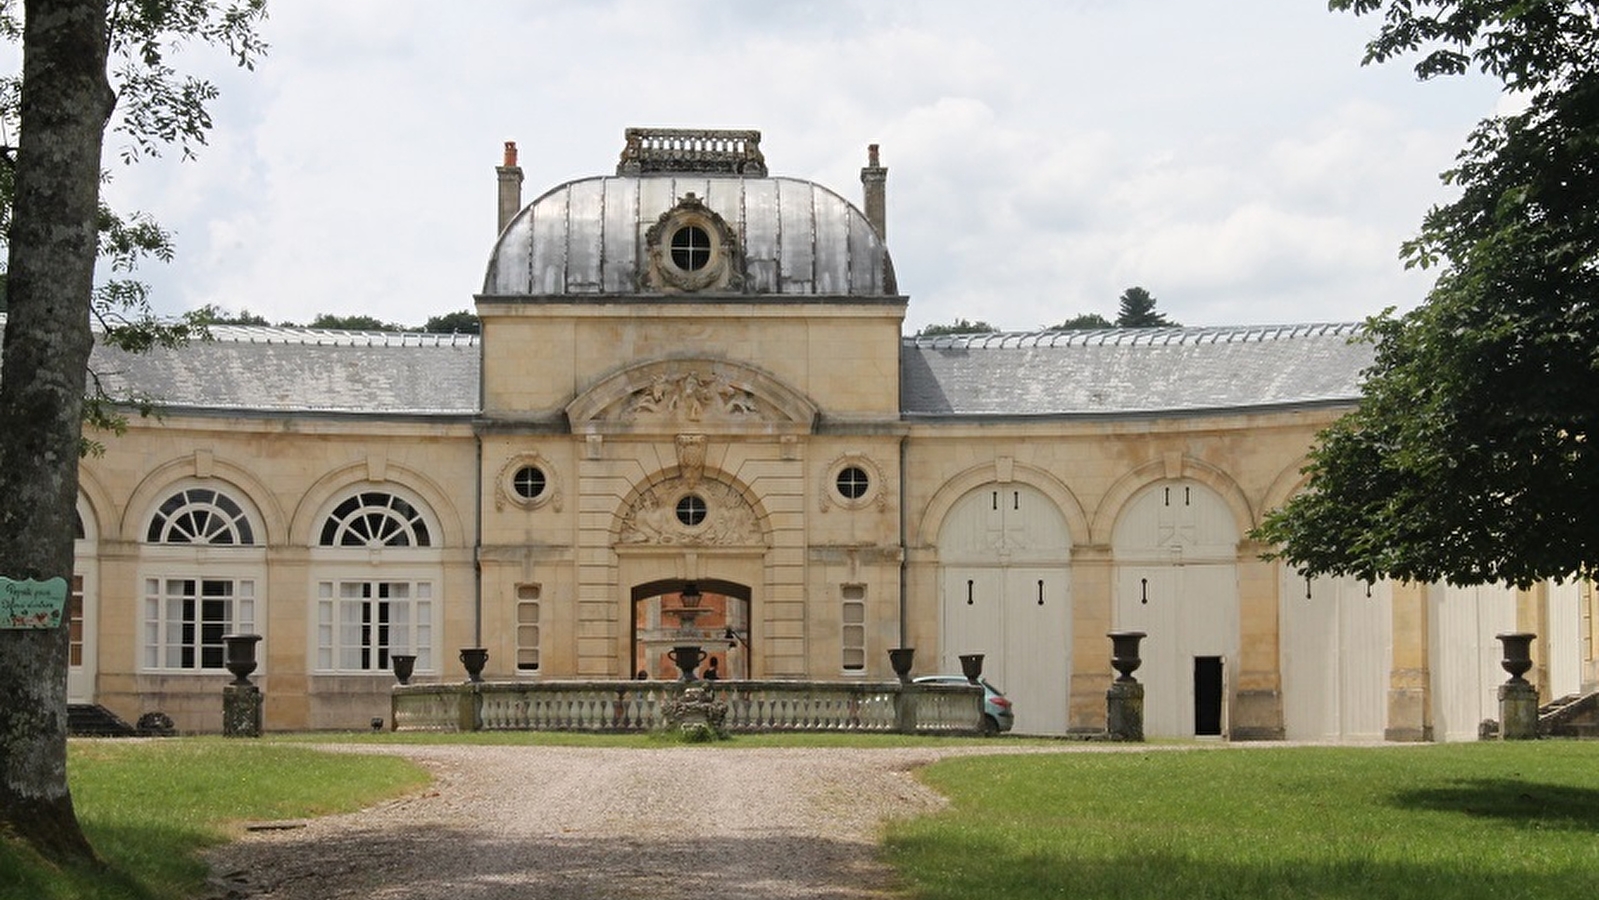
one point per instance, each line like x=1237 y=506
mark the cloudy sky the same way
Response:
x=1230 y=156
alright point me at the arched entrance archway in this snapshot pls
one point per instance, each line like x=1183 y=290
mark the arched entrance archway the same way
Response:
x=708 y=613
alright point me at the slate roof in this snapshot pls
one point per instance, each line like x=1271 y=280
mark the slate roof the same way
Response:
x=266 y=369
x=1112 y=372
x=1120 y=371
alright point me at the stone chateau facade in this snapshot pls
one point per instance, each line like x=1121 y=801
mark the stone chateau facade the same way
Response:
x=692 y=379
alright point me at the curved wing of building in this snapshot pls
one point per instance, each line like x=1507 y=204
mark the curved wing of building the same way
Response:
x=692 y=419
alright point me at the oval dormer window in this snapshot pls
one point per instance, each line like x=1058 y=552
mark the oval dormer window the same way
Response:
x=691 y=248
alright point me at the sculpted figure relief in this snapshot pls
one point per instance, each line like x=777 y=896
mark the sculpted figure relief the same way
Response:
x=729 y=520
x=691 y=397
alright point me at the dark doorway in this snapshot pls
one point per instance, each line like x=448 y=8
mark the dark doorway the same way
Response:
x=1207 y=696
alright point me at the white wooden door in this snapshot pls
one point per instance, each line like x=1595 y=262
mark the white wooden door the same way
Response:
x=1177 y=580
x=1565 y=641
x=1005 y=594
x=1335 y=650
x=1465 y=656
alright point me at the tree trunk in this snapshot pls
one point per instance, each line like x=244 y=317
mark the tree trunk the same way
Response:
x=66 y=99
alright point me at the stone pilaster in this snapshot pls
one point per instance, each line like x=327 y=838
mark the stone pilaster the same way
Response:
x=1410 y=674
x=1257 y=704
x=1092 y=587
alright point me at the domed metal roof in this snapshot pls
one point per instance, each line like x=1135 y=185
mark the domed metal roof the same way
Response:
x=685 y=216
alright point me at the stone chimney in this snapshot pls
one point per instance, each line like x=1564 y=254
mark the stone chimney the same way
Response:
x=511 y=186
x=875 y=178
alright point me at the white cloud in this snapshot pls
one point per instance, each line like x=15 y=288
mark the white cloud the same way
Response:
x=1229 y=155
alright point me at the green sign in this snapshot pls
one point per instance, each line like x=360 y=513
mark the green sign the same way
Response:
x=32 y=604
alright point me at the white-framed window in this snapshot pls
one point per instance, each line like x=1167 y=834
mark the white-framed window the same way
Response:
x=375 y=519
x=201 y=573
x=853 y=632
x=360 y=624
x=185 y=618
x=375 y=582
x=200 y=515
x=528 y=629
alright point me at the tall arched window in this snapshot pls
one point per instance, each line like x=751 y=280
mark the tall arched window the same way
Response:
x=365 y=616
x=202 y=570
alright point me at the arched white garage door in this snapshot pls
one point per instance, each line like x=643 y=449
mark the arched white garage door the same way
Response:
x=1005 y=552
x=1176 y=550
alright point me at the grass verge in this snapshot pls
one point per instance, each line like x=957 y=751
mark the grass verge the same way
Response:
x=1488 y=820
x=149 y=807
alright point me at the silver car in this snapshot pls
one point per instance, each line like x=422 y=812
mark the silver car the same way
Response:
x=998 y=714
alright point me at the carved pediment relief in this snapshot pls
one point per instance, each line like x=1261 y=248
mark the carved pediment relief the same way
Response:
x=706 y=514
x=691 y=395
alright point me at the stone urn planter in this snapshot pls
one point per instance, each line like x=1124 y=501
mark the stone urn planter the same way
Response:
x=687 y=658
x=1517 y=654
x=1124 y=653
x=900 y=660
x=404 y=664
x=474 y=659
x=239 y=656
x=972 y=666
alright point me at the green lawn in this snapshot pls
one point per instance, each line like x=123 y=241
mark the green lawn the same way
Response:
x=148 y=807
x=1490 y=820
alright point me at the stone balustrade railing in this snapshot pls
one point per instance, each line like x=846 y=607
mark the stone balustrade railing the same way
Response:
x=752 y=706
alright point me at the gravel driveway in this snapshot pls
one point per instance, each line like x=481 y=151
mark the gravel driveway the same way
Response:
x=565 y=823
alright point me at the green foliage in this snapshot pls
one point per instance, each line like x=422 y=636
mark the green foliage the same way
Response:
x=211 y=314
x=1485 y=821
x=1137 y=310
x=462 y=322
x=1527 y=44
x=959 y=326
x=149 y=807
x=1083 y=322
x=1470 y=458
x=353 y=323
x=156 y=107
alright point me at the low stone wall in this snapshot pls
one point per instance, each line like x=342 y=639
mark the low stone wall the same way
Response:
x=625 y=706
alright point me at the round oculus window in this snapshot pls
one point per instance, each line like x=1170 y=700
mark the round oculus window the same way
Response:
x=691 y=248
x=691 y=510
x=852 y=482
x=529 y=482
